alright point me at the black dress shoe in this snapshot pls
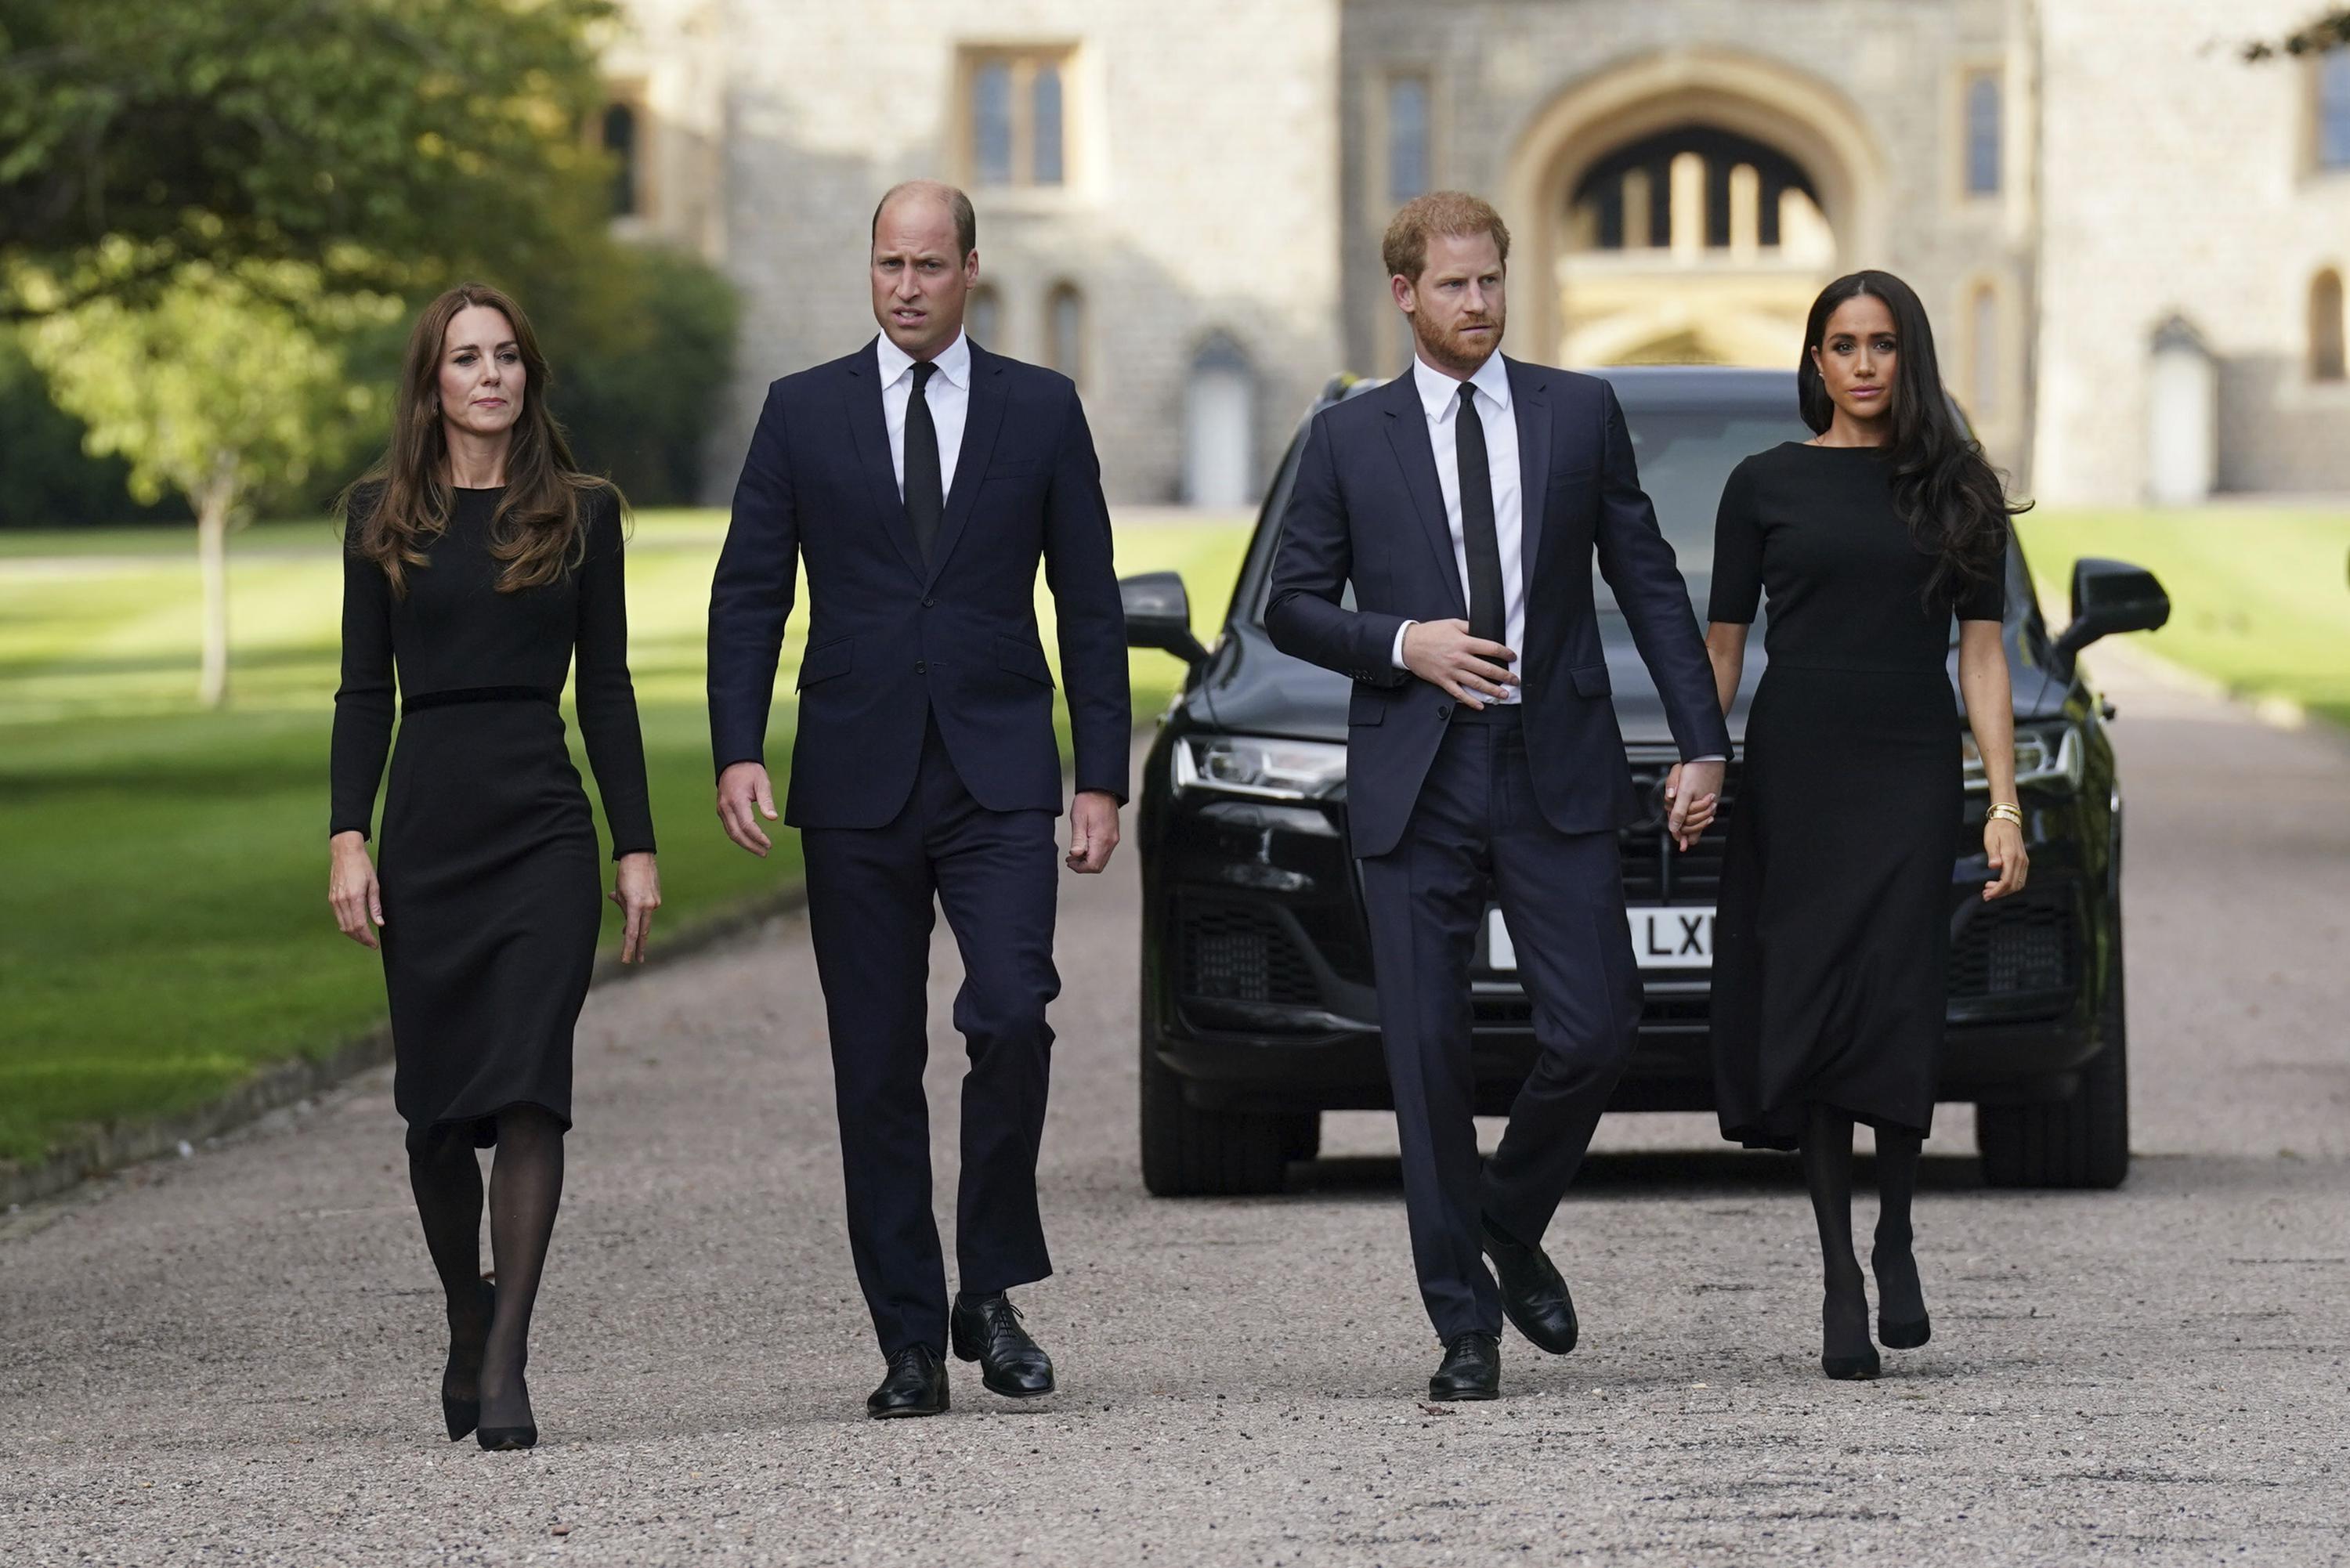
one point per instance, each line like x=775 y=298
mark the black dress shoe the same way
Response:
x=1472 y=1368
x=1533 y=1296
x=986 y=1329
x=915 y=1386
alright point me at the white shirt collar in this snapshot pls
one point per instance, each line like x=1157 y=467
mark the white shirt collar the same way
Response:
x=1440 y=393
x=953 y=361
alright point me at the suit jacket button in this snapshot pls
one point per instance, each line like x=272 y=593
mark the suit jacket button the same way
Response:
x=921 y=667
x=1444 y=709
x=930 y=604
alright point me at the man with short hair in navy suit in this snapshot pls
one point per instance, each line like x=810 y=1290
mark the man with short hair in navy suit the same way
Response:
x=922 y=479
x=1466 y=502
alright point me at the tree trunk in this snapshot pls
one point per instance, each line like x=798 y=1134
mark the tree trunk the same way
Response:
x=212 y=560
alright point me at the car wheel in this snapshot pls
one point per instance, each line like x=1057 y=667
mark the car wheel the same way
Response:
x=2081 y=1142
x=1188 y=1152
x=1301 y=1136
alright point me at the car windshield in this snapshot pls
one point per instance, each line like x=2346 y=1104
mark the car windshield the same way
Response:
x=1685 y=452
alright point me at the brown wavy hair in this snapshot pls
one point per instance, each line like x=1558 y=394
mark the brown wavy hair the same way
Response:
x=538 y=529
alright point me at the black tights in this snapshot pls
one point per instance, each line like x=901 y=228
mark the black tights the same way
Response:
x=1827 y=1171
x=525 y=1186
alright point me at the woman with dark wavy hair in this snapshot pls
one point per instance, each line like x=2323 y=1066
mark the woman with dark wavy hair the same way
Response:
x=1833 y=931
x=478 y=562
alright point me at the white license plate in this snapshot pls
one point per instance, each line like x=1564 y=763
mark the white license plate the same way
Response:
x=1661 y=938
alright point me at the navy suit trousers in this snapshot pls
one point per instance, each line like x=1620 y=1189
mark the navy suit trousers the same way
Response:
x=1476 y=835
x=871 y=912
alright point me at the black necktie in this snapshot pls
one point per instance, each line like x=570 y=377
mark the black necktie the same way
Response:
x=926 y=492
x=1487 y=616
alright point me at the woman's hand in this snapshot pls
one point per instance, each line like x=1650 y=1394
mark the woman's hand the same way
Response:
x=351 y=889
x=635 y=887
x=2003 y=844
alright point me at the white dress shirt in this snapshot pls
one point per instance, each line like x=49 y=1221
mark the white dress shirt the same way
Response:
x=949 y=395
x=1439 y=396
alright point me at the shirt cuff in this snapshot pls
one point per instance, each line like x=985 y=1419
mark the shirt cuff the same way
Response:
x=1395 y=655
x=1688 y=760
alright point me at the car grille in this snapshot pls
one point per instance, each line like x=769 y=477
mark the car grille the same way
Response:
x=1233 y=953
x=2019 y=944
x=1657 y=873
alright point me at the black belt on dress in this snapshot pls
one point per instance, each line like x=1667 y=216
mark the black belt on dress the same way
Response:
x=423 y=700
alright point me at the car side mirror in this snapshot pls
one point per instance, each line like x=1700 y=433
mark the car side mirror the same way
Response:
x=2110 y=596
x=1159 y=615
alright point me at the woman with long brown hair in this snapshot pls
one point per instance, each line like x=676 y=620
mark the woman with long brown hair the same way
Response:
x=1833 y=934
x=478 y=560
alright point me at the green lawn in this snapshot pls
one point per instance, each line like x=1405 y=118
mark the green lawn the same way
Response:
x=164 y=929
x=2259 y=599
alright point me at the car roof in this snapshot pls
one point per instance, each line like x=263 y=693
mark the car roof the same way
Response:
x=1648 y=386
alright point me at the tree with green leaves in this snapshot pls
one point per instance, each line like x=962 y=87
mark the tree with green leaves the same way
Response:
x=2328 y=30
x=225 y=383
x=377 y=141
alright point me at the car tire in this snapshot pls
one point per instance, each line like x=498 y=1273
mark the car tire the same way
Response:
x=1188 y=1152
x=1301 y=1136
x=2080 y=1142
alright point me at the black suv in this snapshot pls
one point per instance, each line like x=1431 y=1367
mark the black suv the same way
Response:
x=1258 y=1010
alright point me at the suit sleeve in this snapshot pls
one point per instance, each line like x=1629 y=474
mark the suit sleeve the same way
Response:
x=363 y=702
x=1737 y=593
x=1639 y=565
x=1080 y=569
x=1311 y=567
x=751 y=594
x=603 y=692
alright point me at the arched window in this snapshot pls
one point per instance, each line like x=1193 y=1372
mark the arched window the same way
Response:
x=1220 y=428
x=1983 y=133
x=1693 y=189
x=985 y=317
x=620 y=146
x=1065 y=331
x=1983 y=356
x=2326 y=352
x=2334 y=109
x=1408 y=172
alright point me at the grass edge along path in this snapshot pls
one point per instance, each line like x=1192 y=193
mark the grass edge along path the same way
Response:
x=170 y=949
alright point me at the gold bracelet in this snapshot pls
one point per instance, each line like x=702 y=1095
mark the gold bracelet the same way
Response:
x=2005 y=811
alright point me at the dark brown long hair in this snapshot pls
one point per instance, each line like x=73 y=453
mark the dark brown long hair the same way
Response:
x=1944 y=488
x=538 y=529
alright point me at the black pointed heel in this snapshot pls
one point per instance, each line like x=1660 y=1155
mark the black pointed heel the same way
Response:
x=1904 y=1335
x=462 y=1415
x=1851 y=1368
x=508 y=1439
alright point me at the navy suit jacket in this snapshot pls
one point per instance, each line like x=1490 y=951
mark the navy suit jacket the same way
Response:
x=1367 y=510
x=888 y=638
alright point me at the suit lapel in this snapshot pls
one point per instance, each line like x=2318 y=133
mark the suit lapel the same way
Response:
x=982 y=417
x=1531 y=409
x=1408 y=433
x=871 y=428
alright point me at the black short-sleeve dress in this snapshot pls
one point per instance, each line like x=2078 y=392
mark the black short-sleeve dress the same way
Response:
x=492 y=891
x=1832 y=935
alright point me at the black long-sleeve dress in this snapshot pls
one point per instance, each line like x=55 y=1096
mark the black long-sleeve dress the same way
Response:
x=1831 y=934
x=488 y=865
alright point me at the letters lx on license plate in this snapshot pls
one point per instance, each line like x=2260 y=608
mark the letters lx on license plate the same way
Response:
x=1661 y=938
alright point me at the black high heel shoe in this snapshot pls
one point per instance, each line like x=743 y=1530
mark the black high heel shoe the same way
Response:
x=508 y=1439
x=1837 y=1359
x=1907 y=1333
x=463 y=1414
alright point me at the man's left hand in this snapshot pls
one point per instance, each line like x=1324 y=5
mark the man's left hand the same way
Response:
x=1693 y=790
x=1093 y=829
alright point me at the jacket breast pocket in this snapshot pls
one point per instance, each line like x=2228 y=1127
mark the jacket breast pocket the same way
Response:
x=1017 y=469
x=1025 y=659
x=826 y=660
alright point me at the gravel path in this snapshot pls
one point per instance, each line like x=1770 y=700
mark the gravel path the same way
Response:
x=233 y=1357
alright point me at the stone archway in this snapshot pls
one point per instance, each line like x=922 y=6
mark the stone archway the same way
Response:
x=1684 y=298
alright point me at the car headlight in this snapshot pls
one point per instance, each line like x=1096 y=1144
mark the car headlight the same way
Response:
x=2046 y=755
x=1258 y=765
